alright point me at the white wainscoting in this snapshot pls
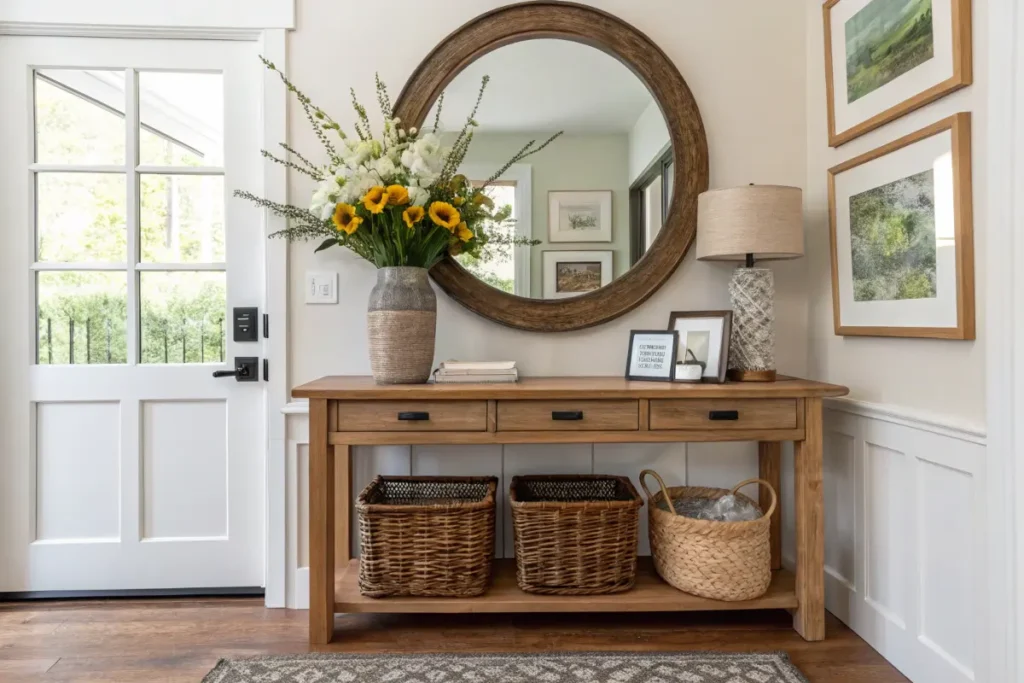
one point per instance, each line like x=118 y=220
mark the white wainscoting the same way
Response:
x=698 y=464
x=902 y=534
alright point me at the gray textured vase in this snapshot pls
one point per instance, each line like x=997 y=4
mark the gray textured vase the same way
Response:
x=402 y=320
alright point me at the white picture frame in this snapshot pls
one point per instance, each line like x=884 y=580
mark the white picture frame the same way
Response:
x=564 y=271
x=580 y=216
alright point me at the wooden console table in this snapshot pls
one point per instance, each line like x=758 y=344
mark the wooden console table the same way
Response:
x=350 y=411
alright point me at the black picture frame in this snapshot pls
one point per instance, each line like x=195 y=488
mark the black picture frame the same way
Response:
x=726 y=317
x=672 y=360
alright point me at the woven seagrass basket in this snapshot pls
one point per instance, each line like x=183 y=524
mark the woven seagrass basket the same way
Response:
x=426 y=536
x=719 y=560
x=575 y=534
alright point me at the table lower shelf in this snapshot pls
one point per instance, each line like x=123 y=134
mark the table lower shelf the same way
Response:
x=650 y=594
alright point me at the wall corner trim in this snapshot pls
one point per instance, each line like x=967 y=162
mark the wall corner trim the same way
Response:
x=929 y=422
x=296 y=408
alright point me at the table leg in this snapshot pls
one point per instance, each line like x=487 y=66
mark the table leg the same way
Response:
x=321 y=527
x=809 y=617
x=769 y=455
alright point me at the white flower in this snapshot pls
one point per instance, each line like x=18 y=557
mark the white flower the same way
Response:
x=422 y=170
x=428 y=146
x=417 y=195
x=327 y=211
x=412 y=131
x=385 y=168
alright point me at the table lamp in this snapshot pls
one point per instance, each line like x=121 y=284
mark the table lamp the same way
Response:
x=750 y=224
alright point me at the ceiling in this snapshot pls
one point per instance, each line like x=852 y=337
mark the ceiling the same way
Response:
x=546 y=85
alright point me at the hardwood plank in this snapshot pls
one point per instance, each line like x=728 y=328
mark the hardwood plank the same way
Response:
x=749 y=414
x=595 y=416
x=177 y=639
x=321 y=525
x=650 y=594
x=809 y=618
x=769 y=455
x=659 y=436
x=342 y=513
x=364 y=388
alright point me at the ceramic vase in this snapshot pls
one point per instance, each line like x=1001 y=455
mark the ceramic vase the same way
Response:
x=402 y=320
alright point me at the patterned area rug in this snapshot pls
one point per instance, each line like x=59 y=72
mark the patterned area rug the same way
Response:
x=681 y=667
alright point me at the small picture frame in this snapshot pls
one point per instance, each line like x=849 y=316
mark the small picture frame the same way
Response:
x=580 y=216
x=572 y=273
x=652 y=355
x=703 y=337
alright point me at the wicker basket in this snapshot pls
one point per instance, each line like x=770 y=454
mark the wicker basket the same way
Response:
x=720 y=560
x=575 y=534
x=426 y=536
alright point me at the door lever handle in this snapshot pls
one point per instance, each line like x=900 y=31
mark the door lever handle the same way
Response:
x=238 y=372
x=245 y=370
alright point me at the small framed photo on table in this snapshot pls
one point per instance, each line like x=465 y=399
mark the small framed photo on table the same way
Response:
x=704 y=338
x=652 y=355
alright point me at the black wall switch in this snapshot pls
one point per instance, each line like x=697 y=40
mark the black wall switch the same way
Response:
x=245 y=324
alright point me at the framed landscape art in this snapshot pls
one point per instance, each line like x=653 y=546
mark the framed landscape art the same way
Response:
x=885 y=58
x=902 y=240
x=580 y=216
x=571 y=273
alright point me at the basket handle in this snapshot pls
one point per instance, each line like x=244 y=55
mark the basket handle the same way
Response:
x=755 y=480
x=664 y=489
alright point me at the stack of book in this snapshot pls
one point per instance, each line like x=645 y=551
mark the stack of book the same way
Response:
x=472 y=372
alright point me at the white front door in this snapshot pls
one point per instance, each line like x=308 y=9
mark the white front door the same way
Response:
x=125 y=464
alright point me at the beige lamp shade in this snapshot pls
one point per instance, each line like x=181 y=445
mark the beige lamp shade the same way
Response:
x=763 y=220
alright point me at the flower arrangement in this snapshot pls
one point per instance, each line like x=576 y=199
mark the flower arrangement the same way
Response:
x=395 y=199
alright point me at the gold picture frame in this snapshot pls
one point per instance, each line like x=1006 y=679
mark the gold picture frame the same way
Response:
x=959 y=52
x=959 y=224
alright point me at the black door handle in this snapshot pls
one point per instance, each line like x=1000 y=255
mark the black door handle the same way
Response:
x=246 y=369
x=724 y=415
x=413 y=416
x=241 y=371
x=566 y=414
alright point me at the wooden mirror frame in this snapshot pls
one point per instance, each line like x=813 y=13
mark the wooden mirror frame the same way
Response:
x=569 y=21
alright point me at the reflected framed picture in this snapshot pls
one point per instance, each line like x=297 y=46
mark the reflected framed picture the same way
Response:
x=885 y=58
x=652 y=355
x=703 y=338
x=580 y=216
x=902 y=237
x=571 y=273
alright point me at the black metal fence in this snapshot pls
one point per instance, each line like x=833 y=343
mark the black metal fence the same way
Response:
x=61 y=342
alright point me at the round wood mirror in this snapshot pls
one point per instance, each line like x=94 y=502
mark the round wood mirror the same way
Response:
x=611 y=205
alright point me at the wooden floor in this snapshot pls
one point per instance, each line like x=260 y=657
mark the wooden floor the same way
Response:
x=180 y=640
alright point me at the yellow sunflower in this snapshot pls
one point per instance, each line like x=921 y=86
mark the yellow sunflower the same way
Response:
x=463 y=232
x=412 y=215
x=397 y=195
x=345 y=218
x=376 y=199
x=445 y=215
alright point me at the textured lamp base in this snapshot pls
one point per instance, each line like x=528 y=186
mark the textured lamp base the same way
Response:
x=752 y=345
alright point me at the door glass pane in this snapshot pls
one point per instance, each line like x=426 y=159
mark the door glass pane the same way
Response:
x=81 y=217
x=498 y=268
x=670 y=181
x=182 y=218
x=181 y=119
x=81 y=317
x=183 y=316
x=79 y=117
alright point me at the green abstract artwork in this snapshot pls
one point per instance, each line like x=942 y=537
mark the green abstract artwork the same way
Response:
x=884 y=40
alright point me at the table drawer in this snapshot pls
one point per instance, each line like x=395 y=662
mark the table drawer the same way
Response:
x=411 y=416
x=728 y=414
x=566 y=416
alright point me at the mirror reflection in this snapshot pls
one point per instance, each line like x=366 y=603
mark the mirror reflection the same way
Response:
x=594 y=200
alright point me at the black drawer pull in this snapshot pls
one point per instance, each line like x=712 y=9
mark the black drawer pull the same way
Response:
x=413 y=416
x=566 y=414
x=724 y=415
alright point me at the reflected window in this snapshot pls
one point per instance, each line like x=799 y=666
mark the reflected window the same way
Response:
x=649 y=198
x=498 y=268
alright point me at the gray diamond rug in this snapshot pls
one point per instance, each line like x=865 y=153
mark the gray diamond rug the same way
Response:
x=679 y=667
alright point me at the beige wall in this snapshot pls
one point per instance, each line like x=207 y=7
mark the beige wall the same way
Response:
x=946 y=378
x=748 y=78
x=572 y=162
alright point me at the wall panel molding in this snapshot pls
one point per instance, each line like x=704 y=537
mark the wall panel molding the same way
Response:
x=904 y=515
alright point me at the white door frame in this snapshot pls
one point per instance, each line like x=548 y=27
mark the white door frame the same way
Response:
x=1000 y=644
x=271 y=43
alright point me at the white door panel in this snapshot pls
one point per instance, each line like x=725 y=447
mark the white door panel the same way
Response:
x=124 y=464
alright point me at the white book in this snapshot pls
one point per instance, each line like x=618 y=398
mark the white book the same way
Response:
x=475 y=379
x=480 y=365
x=478 y=373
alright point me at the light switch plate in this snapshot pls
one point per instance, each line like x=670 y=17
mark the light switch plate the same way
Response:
x=321 y=287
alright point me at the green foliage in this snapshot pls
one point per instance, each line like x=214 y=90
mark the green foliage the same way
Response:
x=885 y=40
x=892 y=237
